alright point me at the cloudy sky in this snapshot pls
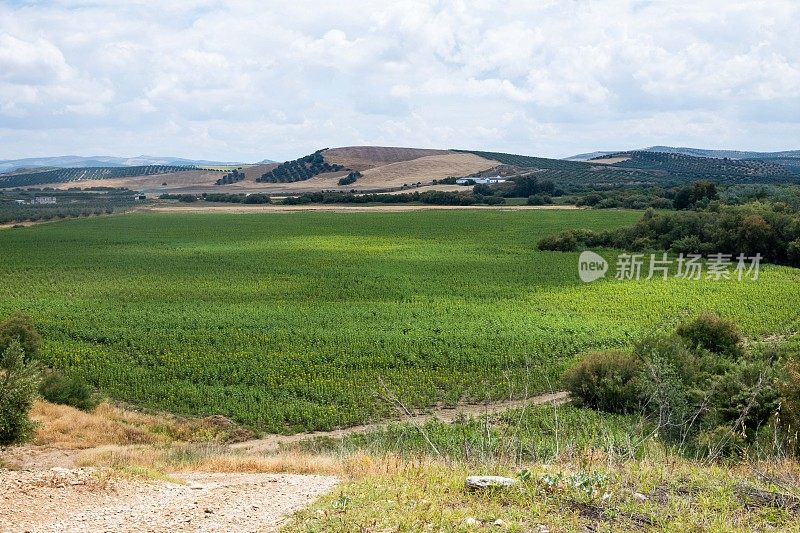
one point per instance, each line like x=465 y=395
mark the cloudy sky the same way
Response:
x=246 y=80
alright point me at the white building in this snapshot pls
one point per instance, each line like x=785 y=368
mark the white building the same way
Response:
x=484 y=180
x=41 y=200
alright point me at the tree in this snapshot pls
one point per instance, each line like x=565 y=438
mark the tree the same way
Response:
x=683 y=198
x=20 y=328
x=702 y=190
x=19 y=382
x=757 y=236
x=699 y=192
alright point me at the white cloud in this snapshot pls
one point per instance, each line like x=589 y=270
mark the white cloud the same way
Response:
x=36 y=62
x=247 y=80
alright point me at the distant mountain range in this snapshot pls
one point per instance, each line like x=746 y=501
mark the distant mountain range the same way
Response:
x=694 y=152
x=74 y=161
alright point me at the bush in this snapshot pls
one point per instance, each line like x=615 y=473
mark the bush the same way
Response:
x=256 y=199
x=67 y=389
x=539 y=199
x=793 y=253
x=712 y=333
x=20 y=328
x=744 y=398
x=18 y=383
x=607 y=381
x=562 y=242
x=350 y=178
x=590 y=200
x=669 y=370
x=572 y=240
x=789 y=414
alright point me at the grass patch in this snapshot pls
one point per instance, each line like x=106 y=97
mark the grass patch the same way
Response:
x=678 y=496
x=537 y=433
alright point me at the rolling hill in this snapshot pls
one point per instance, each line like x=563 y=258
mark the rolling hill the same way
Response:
x=677 y=168
x=694 y=152
x=74 y=161
x=380 y=168
x=730 y=154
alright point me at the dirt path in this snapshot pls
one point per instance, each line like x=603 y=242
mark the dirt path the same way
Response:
x=277 y=208
x=39 y=496
x=80 y=500
x=271 y=443
x=346 y=208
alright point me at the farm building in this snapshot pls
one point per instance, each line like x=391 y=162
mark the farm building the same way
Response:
x=42 y=200
x=480 y=180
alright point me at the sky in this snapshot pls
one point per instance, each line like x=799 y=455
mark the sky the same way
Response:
x=247 y=80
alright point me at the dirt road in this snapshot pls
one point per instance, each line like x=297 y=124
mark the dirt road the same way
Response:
x=78 y=500
x=271 y=443
x=47 y=493
x=340 y=208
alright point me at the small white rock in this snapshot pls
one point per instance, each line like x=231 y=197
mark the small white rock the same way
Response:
x=484 y=482
x=499 y=523
x=470 y=521
x=640 y=497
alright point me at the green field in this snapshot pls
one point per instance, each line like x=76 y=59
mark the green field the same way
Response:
x=292 y=321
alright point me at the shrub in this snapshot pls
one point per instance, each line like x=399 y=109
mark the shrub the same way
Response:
x=18 y=383
x=67 y=389
x=789 y=414
x=572 y=240
x=744 y=398
x=350 y=178
x=539 y=199
x=20 y=328
x=256 y=199
x=590 y=200
x=562 y=242
x=715 y=334
x=669 y=369
x=793 y=252
x=607 y=381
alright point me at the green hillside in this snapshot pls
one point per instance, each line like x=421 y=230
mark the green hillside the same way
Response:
x=680 y=167
x=300 y=169
x=69 y=175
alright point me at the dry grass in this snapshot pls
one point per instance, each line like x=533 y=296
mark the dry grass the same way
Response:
x=67 y=428
x=214 y=458
x=64 y=427
x=424 y=169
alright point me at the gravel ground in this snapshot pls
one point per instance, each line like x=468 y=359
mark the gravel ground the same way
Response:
x=62 y=499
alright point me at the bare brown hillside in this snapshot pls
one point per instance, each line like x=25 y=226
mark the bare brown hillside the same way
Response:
x=424 y=169
x=366 y=157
